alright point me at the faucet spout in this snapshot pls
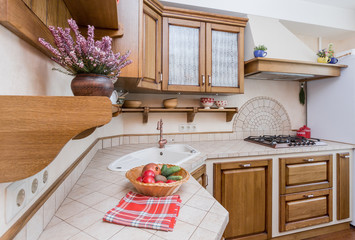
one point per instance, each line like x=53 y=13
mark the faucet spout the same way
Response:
x=161 y=141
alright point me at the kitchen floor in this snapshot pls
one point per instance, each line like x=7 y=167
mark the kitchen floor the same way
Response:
x=341 y=235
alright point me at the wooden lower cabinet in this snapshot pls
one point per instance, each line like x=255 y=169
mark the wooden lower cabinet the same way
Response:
x=305 y=209
x=244 y=189
x=200 y=175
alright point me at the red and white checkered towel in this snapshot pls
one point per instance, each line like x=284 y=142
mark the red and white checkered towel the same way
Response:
x=137 y=210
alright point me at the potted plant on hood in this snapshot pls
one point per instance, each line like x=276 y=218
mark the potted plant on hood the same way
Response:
x=322 y=56
x=259 y=51
x=93 y=63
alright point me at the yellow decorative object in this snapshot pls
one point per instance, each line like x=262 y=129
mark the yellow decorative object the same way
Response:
x=323 y=59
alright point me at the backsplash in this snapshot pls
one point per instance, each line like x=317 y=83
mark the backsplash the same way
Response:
x=262 y=115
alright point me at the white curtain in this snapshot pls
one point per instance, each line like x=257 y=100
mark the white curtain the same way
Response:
x=224 y=59
x=183 y=55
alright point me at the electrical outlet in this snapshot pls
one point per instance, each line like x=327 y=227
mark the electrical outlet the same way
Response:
x=187 y=128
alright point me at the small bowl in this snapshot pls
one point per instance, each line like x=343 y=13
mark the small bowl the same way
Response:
x=207 y=102
x=156 y=189
x=170 y=103
x=120 y=101
x=132 y=104
x=221 y=104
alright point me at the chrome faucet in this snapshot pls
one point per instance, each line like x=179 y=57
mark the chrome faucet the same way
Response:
x=161 y=141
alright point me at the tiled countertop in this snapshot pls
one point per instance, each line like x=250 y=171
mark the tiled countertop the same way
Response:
x=99 y=189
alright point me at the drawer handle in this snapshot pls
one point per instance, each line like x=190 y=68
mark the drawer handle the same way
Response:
x=309 y=160
x=206 y=180
x=308 y=196
x=245 y=165
x=347 y=156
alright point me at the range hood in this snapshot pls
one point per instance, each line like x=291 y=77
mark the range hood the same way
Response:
x=284 y=69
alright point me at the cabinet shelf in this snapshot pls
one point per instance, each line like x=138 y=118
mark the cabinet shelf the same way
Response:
x=34 y=129
x=190 y=111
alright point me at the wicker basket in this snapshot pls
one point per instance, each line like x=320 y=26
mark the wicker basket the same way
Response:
x=156 y=189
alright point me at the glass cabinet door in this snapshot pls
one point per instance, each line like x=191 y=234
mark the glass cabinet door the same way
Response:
x=225 y=68
x=183 y=55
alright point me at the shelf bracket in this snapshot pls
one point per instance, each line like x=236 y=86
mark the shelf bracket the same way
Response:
x=230 y=115
x=191 y=115
x=145 y=114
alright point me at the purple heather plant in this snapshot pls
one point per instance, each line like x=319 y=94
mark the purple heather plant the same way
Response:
x=85 y=55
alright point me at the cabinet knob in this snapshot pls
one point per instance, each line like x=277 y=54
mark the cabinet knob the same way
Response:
x=245 y=165
x=309 y=160
x=308 y=196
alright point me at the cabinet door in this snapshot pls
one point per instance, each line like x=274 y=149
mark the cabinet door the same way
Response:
x=151 y=50
x=343 y=186
x=183 y=55
x=224 y=58
x=305 y=209
x=305 y=173
x=200 y=175
x=244 y=189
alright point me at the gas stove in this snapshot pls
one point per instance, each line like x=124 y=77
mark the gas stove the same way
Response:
x=284 y=141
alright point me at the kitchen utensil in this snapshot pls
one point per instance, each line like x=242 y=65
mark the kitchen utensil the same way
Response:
x=156 y=189
x=207 y=102
x=170 y=103
x=221 y=104
x=132 y=104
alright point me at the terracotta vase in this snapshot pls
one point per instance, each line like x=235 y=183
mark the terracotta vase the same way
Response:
x=92 y=85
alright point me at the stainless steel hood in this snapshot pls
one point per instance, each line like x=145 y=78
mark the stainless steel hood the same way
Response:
x=283 y=69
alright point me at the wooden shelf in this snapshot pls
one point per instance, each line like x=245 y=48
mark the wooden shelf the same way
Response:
x=34 y=129
x=103 y=15
x=190 y=111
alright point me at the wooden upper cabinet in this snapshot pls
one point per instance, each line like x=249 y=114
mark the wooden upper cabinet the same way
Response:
x=202 y=57
x=151 y=50
x=141 y=20
x=224 y=58
x=183 y=55
x=180 y=50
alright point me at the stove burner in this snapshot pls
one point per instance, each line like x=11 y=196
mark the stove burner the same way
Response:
x=284 y=141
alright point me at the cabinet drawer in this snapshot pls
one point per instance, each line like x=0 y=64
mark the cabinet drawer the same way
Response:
x=305 y=173
x=305 y=209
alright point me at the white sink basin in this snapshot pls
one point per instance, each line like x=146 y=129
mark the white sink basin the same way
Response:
x=172 y=154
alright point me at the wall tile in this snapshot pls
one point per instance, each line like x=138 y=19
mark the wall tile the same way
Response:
x=48 y=210
x=22 y=235
x=106 y=143
x=115 y=141
x=35 y=225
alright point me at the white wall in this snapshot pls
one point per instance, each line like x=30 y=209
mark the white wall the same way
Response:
x=292 y=10
x=26 y=71
x=286 y=92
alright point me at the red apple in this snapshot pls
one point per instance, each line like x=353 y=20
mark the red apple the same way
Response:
x=139 y=179
x=170 y=181
x=148 y=179
x=148 y=173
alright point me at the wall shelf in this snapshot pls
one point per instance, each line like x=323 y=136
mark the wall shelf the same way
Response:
x=34 y=129
x=190 y=111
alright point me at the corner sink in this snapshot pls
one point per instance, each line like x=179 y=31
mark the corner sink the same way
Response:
x=172 y=154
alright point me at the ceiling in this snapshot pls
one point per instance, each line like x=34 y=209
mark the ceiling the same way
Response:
x=347 y=4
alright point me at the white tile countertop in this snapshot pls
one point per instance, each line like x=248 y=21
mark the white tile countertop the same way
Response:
x=99 y=189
